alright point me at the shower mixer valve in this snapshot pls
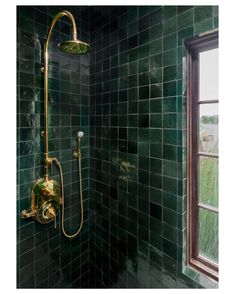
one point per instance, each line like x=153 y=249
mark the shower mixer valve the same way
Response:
x=46 y=194
x=45 y=201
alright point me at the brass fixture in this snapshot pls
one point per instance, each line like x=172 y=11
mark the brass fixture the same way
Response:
x=45 y=201
x=47 y=194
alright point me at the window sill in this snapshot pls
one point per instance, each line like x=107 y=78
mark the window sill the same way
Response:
x=200 y=277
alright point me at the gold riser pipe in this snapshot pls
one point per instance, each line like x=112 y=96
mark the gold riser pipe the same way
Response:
x=45 y=70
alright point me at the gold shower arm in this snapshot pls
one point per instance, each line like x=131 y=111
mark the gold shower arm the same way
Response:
x=45 y=70
x=55 y=19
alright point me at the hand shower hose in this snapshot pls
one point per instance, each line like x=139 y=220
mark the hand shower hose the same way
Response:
x=62 y=197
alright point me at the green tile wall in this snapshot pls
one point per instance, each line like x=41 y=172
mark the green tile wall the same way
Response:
x=128 y=96
x=137 y=143
x=45 y=259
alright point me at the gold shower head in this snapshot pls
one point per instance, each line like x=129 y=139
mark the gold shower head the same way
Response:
x=74 y=47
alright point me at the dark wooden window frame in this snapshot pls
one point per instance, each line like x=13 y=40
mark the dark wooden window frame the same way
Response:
x=194 y=46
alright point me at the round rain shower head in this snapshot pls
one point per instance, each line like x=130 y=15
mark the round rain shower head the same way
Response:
x=74 y=47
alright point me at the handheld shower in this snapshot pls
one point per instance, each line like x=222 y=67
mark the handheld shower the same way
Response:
x=80 y=134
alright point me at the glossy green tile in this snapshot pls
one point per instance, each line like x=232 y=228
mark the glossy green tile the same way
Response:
x=26 y=161
x=133 y=67
x=144 y=37
x=144 y=163
x=169 y=11
x=143 y=149
x=26 y=79
x=203 y=26
x=169 y=57
x=183 y=8
x=27 y=107
x=216 y=22
x=155 y=166
x=26 y=25
x=143 y=121
x=215 y=10
x=143 y=65
x=143 y=10
x=169 y=89
x=170 y=185
x=170 y=248
x=170 y=217
x=155 y=211
x=143 y=107
x=156 y=150
x=170 y=233
x=156 y=16
x=169 y=42
x=132 y=14
x=155 y=181
x=133 y=133
x=144 y=92
x=156 y=31
x=169 y=26
x=202 y=12
x=185 y=19
x=156 y=105
x=169 y=73
x=170 y=137
x=155 y=136
x=26 y=134
x=170 y=104
x=156 y=90
x=156 y=120
x=183 y=34
x=143 y=135
x=156 y=75
x=156 y=240
x=27 y=120
x=169 y=152
x=143 y=78
x=170 y=200
x=155 y=47
x=133 y=54
x=143 y=218
x=133 y=94
x=132 y=107
x=155 y=61
x=170 y=120
x=170 y=168
x=155 y=195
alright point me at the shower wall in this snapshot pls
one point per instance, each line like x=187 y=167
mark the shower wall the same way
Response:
x=137 y=143
x=128 y=96
x=46 y=259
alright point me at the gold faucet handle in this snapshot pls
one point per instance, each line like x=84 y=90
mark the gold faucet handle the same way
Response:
x=26 y=213
x=51 y=213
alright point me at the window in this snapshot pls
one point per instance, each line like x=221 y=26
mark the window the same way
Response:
x=202 y=158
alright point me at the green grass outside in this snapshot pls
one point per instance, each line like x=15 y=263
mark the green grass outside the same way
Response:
x=208 y=194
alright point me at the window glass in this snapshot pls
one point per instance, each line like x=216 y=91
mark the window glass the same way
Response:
x=208 y=180
x=208 y=128
x=208 y=75
x=208 y=234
